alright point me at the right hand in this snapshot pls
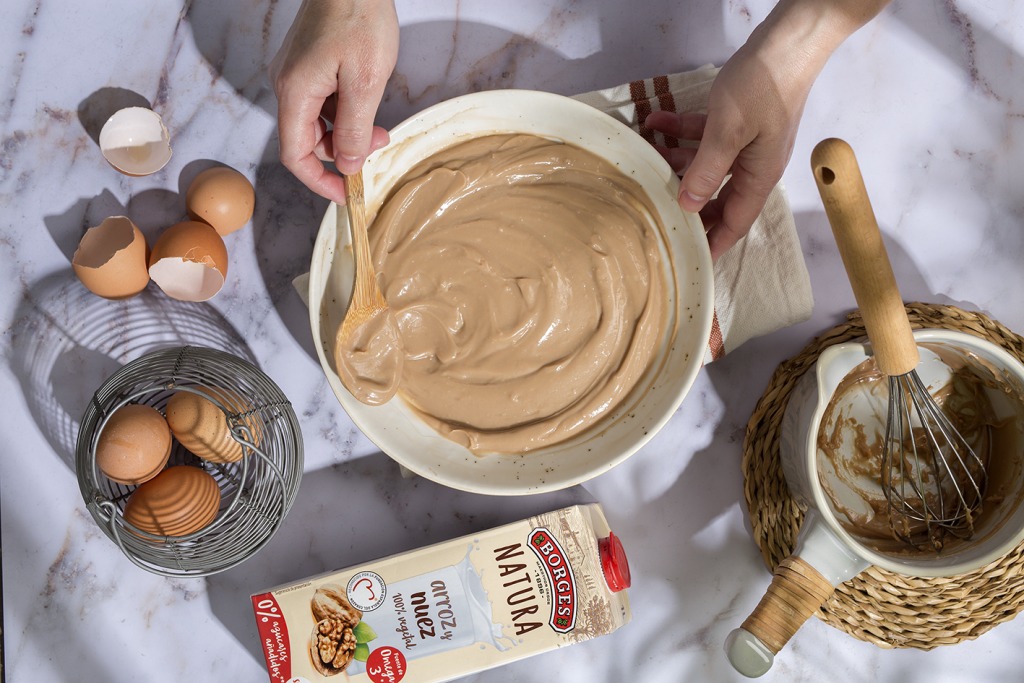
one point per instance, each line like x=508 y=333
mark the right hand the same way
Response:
x=754 y=109
x=332 y=68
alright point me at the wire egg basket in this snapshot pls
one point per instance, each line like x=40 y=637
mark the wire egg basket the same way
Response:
x=256 y=492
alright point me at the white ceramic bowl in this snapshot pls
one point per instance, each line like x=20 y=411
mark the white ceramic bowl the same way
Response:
x=393 y=427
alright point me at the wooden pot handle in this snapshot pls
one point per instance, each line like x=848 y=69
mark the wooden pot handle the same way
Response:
x=797 y=590
x=856 y=232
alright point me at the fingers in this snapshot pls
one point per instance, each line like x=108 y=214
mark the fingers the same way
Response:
x=303 y=140
x=678 y=158
x=379 y=137
x=687 y=126
x=720 y=234
x=713 y=161
x=329 y=78
x=729 y=217
x=312 y=173
x=329 y=111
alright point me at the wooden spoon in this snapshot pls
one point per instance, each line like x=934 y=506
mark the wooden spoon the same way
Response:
x=368 y=352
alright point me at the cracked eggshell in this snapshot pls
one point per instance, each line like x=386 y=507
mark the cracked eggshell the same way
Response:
x=189 y=261
x=222 y=197
x=135 y=141
x=111 y=259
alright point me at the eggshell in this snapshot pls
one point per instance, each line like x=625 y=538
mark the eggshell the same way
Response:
x=222 y=197
x=202 y=427
x=111 y=259
x=189 y=261
x=179 y=501
x=135 y=141
x=134 y=445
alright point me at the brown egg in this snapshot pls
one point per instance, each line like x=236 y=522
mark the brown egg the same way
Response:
x=111 y=259
x=222 y=197
x=189 y=261
x=202 y=427
x=134 y=444
x=177 y=502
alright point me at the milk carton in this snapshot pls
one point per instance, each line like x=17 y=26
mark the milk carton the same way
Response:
x=453 y=608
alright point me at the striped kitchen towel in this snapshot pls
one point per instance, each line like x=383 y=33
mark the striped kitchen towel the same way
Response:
x=761 y=284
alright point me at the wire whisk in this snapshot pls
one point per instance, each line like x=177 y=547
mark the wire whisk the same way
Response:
x=933 y=479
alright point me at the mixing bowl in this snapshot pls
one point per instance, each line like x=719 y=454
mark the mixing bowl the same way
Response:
x=394 y=427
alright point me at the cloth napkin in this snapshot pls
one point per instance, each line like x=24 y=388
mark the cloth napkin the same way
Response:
x=761 y=284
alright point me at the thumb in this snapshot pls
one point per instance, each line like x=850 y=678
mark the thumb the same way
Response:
x=711 y=164
x=352 y=136
x=351 y=141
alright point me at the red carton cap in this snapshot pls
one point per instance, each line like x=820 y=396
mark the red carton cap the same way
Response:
x=614 y=563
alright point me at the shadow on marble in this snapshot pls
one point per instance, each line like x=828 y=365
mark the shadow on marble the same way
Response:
x=388 y=516
x=829 y=282
x=65 y=342
x=152 y=210
x=66 y=229
x=189 y=172
x=285 y=225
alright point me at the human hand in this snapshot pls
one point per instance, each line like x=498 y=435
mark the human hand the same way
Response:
x=753 y=114
x=332 y=68
x=748 y=133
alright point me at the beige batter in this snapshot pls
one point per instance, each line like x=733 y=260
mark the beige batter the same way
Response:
x=527 y=284
x=369 y=357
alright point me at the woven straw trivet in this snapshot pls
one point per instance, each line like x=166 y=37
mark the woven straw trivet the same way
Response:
x=878 y=606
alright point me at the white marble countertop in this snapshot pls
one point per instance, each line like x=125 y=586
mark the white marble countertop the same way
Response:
x=930 y=95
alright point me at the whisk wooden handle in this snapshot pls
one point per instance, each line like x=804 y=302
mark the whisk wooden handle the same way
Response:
x=867 y=264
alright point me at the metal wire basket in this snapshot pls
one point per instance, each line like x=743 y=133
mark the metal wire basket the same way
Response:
x=256 y=491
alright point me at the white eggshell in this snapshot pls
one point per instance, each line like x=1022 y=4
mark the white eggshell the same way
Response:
x=135 y=141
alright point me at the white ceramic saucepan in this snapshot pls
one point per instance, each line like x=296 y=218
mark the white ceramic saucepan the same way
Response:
x=827 y=551
x=394 y=427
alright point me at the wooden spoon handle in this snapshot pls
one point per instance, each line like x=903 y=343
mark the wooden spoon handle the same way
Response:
x=366 y=292
x=867 y=264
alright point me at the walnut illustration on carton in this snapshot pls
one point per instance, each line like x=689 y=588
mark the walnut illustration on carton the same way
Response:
x=329 y=602
x=332 y=646
x=339 y=635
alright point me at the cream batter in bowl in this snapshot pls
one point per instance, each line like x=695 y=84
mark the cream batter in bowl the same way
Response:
x=676 y=349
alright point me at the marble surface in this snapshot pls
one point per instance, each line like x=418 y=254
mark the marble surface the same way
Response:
x=930 y=95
